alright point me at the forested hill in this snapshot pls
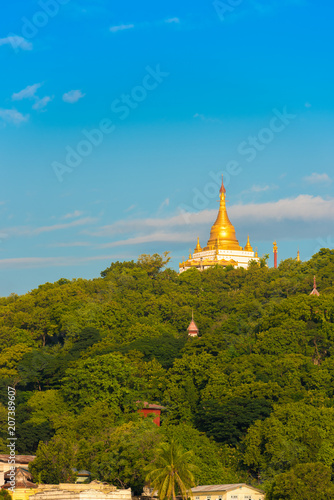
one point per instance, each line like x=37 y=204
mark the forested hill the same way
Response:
x=252 y=396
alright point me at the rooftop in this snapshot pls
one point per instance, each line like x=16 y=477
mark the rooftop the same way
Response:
x=220 y=487
x=19 y=459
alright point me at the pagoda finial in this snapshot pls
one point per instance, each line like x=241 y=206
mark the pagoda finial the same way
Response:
x=198 y=246
x=256 y=253
x=315 y=291
x=298 y=256
x=190 y=256
x=222 y=188
x=248 y=247
x=275 y=254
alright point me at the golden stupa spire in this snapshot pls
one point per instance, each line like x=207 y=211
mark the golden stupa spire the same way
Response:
x=223 y=232
x=198 y=246
x=298 y=256
x=248 y=247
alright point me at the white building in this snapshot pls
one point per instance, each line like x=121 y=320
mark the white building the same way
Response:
x=239 y=491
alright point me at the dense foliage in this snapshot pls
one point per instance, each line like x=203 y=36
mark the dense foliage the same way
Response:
x=252 y=398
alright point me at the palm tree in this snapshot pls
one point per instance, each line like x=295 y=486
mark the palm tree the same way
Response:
x=172 y=471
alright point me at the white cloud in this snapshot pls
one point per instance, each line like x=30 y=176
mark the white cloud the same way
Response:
x=40 y=262
x=73 y=96
x=301 y=211
x=165 y=203
x=256 y=188
x=29 y=231
x=259 y=189
x=302 y=208
x=72 y=215
x=42 y=103
x=121 y=27
x=71 y=244
x=16 y=42
x=158 y=236
x=207 y=119
x=316 y=178
x=175 y=20
x=28 y=92
x=128 y=226
x=131 y=207
x=56 y=227
x=13 y=116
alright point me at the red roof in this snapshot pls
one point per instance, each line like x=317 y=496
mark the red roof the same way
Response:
x=192 y=327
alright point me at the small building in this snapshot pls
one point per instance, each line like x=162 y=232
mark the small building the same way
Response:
x=149 y=409
x=192 y=328
x=241 y=491
x=24 y=485
x=69 y=491
x=83 y=476
x=21 y=461
x=23 y=478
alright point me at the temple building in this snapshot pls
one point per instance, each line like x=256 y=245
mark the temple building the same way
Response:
x=223 y=248
x=192 y=328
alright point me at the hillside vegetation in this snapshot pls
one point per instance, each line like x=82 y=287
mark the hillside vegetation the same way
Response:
x=253 y=396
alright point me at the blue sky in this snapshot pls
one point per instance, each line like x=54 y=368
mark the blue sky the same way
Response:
x=118 y=119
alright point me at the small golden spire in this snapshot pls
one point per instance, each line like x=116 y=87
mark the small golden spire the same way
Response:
x=198 y=246
x=275 y=254
x=190 y=256
x=256 y=254
x=248 y=247
x=298 y=256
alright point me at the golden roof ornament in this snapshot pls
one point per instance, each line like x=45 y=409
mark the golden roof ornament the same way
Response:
x=298 y=256
x=222 y=231
x=248 y=247
x=198 y=246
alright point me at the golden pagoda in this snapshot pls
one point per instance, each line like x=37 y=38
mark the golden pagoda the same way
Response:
x=223 y=248
x=223 y=232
